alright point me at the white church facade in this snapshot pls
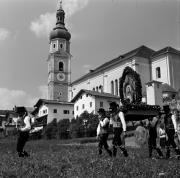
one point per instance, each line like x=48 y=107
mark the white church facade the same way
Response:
x=162 y=66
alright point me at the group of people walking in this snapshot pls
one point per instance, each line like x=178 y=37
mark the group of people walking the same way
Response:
x=161 y=131
x=117 y=120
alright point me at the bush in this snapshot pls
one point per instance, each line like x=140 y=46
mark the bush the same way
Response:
x=63 y=128
x=51 y=130
x=84 y=126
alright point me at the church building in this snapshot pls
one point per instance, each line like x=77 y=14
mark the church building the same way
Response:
x=162 y=66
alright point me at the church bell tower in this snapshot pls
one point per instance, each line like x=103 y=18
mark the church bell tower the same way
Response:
x=59 y=60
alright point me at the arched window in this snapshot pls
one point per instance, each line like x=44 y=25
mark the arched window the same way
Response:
x=96 y=88
x=116 y=87
x=112 y=87
x=119 y=85
x=100 y=88
x=61 y=45
x=158 y=72
x=61 y=66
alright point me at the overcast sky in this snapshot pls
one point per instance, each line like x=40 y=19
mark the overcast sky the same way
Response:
x=101 y=30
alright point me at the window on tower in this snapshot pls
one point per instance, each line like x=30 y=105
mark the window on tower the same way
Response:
x=61 y=66
x=158 y=72
x=61 y=45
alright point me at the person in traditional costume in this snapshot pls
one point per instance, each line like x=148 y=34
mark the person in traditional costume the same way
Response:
x=152 y=137
x=102 y=132
x=118 y=123
x=23 y=131
x=171 y=130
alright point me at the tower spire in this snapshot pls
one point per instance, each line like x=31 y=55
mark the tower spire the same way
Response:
x=59 y=6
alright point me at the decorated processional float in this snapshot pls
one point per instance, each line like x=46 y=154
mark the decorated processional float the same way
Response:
x=133 y=107
x=131 y=98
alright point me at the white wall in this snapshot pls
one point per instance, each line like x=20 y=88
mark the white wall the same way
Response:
x=162 y=62
x=59 y=115
x=86 y=101
x=174 y=67
x=143 y=68
x=89 y=84
x=105 y=101
x=103 y=78
x=43 y=110
x=154 y=94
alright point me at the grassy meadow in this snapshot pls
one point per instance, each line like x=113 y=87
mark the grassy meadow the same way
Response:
x=54 y=158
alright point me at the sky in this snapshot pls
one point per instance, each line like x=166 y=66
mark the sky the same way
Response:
x=101 y=30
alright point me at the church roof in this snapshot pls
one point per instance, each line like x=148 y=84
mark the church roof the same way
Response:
x=60 y=31
x=168 y=88
x=165 y=50
x=141 y=51
x=94 y=93
x=45 y=101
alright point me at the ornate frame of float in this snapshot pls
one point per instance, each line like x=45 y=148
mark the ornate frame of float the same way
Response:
x=131 y=97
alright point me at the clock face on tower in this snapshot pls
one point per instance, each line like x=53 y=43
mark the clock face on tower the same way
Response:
x=61 y=76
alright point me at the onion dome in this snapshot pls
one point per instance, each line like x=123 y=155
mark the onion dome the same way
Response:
x=60 y=30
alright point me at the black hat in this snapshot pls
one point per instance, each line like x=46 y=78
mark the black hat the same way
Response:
x=113 y=106
x=101 y=110
x=166 y=108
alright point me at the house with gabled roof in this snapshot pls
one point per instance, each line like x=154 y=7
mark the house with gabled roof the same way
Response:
x=54 y=109
x=91 y=101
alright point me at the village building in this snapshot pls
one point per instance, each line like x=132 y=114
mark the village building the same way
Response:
x=54 y=110
x=91 y=101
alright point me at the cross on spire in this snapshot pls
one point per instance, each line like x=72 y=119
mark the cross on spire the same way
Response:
x=60 y=4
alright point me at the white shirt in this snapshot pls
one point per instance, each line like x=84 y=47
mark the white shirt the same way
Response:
x=173 y=117
x=162 y=133
x=116 y=124
x=27 y=123
x=101 y=124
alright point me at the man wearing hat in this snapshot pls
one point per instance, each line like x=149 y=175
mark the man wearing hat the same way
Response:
x=24 y=129
x=119 y=128
x=102 y=131
x=171 y=129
